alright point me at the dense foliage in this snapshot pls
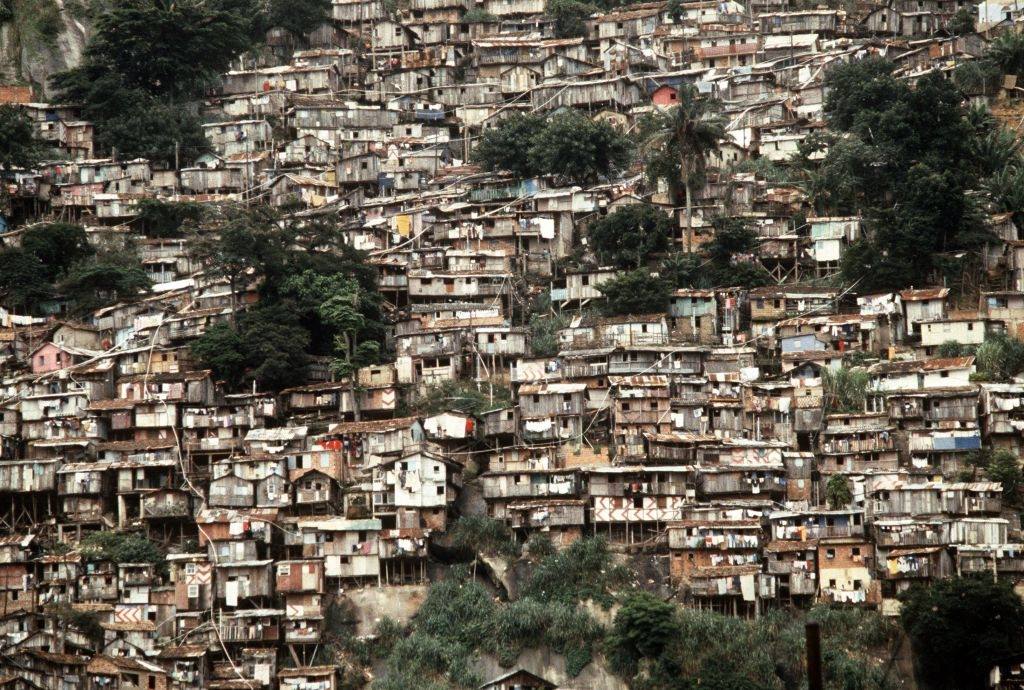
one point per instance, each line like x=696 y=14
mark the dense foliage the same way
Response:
x=19 y=147
x=658 y=647
x=317 y=297
x=460 y=620
x=729 y=259
x=122 y=547
x=904 y=156
x=628 y=236
x=568 y=145
x=636 y=292
x=958 y=627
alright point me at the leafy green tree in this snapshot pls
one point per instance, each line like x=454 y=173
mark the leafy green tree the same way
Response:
x=339 y=306
x=952 y=348
x=636 y=292
x=627 y=237
x=977 y=77
x=644 y=626
x=574 y=147
x=478 y=16
x=544 y=326
x=103 y=278
x=507 y=146
x=1004 y=467
x=959 y=626
x=459 y=397
x=677 y=143
x=151 y=128
x=682 y=270
x=23 y=283
x=570 y=17
x=838 y=492
x=248 y=246
x=1006 y=52
x=161 y=48
x=298 y=17
x=122 y=547
x=904 y=157
x=267 y=345
x=19 y=147
x=584 y=570
x=158 y=218
x=845 y=389
x=57 y=246
x=962 y=22
x=85 y=622
x=221 y=350
x=999 y=358
x=483 y=536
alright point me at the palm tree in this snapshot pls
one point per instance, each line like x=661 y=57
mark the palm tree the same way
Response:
x=1007 y=53
x=677 y=143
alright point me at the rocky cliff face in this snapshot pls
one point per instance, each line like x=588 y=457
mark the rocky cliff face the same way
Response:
x=40 y=38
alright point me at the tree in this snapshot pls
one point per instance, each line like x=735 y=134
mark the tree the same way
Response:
x=629 y=235
x=677 y=143
x=544 y=326
x=962 y=22
x=507 y=146
x=904 y=157
x=959 y=626
x=108 y=276
x=298 y=17
x=19 y=147
x=478 y=16
x=977 y=77
x=220 y=349
x=682 y=270
x=838 y=492
x=161 y=48
x=275 y=345
x=339 y=306
x=122 y=547
x=999 y=358
x=574 y=147
x=570 y=17
x=845 y=389
x=158 y=218
x=267 y=345
x=248 y=246
x=644 y=626
x=481 y=535
x=57 y=246
x=23 y=283
x=1006 y=52
x=1004 y=467
x=151 y=128
x=636 y=292
x=952 y=348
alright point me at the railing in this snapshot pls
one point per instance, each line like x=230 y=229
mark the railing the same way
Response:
x=722 y=51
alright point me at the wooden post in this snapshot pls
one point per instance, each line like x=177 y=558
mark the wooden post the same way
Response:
x=815 y=680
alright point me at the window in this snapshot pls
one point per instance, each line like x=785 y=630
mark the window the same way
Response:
x=855 y=551
x=440 y=491
x=830 y=554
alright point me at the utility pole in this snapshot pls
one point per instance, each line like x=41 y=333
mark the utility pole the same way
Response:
x=177 y=165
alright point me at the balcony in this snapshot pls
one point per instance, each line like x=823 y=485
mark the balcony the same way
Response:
x=312 y=496
x=702 y=52
x=302 y=635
